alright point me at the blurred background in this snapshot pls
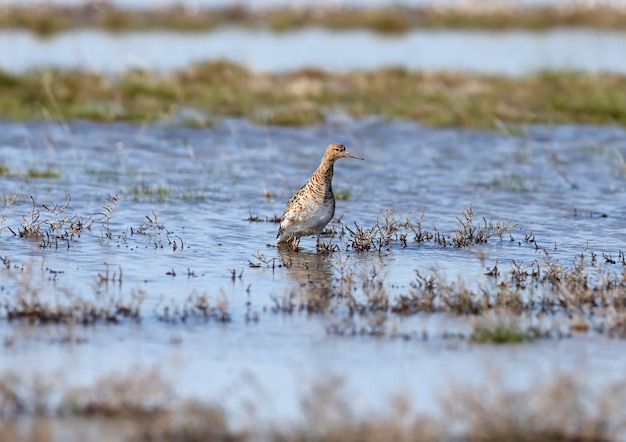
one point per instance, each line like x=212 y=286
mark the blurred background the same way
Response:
x=499 y=37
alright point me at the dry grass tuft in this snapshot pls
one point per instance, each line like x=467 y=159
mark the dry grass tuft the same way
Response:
x=52 y=226
x=391 y=229
x=56 y=227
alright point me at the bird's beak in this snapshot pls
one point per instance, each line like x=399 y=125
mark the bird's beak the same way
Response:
x=351 y=155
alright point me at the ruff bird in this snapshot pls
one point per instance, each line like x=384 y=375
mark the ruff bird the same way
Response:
x=312 y=207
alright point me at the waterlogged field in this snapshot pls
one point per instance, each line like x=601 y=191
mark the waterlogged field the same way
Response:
x=472 y=283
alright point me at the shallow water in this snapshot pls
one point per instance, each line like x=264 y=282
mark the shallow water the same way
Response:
x=203 y=184
x=507 y=52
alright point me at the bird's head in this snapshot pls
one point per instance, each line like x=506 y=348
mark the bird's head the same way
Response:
x=335 y=151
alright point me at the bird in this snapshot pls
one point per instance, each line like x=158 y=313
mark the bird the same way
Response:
x=312 y=207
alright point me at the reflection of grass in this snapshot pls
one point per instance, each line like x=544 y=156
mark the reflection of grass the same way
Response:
x=47 y=19
x=304 y=97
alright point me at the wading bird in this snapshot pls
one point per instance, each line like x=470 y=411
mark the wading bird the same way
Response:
x=313 y=206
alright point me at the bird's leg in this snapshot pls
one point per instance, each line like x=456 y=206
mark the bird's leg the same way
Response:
x=294 y=244
x=317 y=244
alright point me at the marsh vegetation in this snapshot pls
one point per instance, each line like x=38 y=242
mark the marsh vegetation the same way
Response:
x=219 y=89
x=538 y=299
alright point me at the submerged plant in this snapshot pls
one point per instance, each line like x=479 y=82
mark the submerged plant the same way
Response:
x=43 y=173
x=502 y=330
x=342 y=195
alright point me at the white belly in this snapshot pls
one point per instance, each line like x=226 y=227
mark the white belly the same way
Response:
x=310 y=223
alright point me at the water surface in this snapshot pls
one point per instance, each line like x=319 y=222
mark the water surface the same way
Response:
x=203 y=185
x=506 y=52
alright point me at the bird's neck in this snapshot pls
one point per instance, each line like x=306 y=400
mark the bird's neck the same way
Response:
x=324 y=175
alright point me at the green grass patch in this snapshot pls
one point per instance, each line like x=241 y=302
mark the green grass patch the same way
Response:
x=221 y=89
x=502 y=331
x=49 y=172
x=43 y=173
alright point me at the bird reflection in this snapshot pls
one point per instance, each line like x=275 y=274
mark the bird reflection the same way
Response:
x=312 y=280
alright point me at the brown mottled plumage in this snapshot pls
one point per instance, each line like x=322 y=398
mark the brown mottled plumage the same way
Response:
x=313 y=206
